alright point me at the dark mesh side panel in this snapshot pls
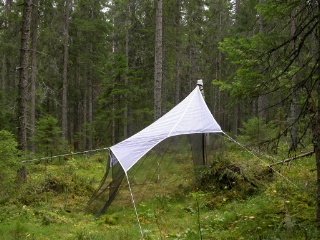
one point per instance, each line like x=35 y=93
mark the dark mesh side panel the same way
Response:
x=106 y=192
x=108 y=188
x=197 y=142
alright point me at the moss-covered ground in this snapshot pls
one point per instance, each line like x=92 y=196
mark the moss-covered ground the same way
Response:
x=238 y=197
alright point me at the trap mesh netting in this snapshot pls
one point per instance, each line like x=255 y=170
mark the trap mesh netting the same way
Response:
x=190 y=117
x=194 y=151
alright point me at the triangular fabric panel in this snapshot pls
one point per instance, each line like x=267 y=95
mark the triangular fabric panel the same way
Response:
x=189 y=116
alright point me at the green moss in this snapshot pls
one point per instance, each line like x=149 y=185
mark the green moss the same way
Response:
x=171 y=204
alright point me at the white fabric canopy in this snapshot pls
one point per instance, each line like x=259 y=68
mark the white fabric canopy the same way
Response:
x=189 y=116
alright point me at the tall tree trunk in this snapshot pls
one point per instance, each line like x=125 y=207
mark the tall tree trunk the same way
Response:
x=316 y=138
x=125 y=113
x=90 y=105
x=317 y=148
x=177 y=81
x=316 y=128
x=192 y=62
x=84 y=110
x=113 y=131
x=177 y=52
x=164 y=83
x=262 y=99
x=64 y=114
x=23 y=76
x=293 y=104
x=77 y=105
x=217 y=101
x=236 y=108
x=33 y=79
x=158 y=62
x=90 y=80
x=3 y=76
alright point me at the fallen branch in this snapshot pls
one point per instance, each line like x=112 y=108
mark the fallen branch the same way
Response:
x=293 y=158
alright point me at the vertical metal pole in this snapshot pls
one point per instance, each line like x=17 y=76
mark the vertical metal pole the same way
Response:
x=204 y=159
x=204 y=135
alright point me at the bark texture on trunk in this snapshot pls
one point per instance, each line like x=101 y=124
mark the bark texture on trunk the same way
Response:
x=23 y=76
x=64 y=124
x=293 y=105
x=34 y=43
x=317 y=126
x=158 y=63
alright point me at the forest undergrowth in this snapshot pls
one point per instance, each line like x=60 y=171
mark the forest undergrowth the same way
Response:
x=237 y=197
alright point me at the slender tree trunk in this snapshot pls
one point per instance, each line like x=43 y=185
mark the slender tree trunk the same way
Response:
x=317 y=149
x=125 y=113
x=177 y=82
x=77 y=106
x=113 y=131
x=23 y=76
x=3 y=76
x=90 y=105
x=130 y=65
x=177 y=52
x=217 y=101
x=90 y=97
x=236 y=108
x=293 y=105
x=33 y=79
x=164 y=84
x=192 y=62
x=64 y=114
x=158 y=62
x=316 y=128
x=262 y=99
x=84 y=110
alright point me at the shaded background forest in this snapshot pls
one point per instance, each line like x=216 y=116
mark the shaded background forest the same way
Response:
x=84 y=74
x=91 y=66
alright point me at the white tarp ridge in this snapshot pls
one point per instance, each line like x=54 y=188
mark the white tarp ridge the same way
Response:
x=189 y=116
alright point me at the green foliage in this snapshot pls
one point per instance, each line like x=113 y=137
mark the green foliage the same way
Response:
x=257 y=133
x=48 y=217
x=245 y=53
x=8 y=148
x=231 y=180
x=8 y=164
x=271 y=8
x=239 y=198
x=121 y=93
x=88 y=235
x=48 y=136
x=111 y=220
x=19 y=232
x=6 y=115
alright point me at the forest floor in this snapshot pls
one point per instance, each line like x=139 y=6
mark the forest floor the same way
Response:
x=239 y=197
